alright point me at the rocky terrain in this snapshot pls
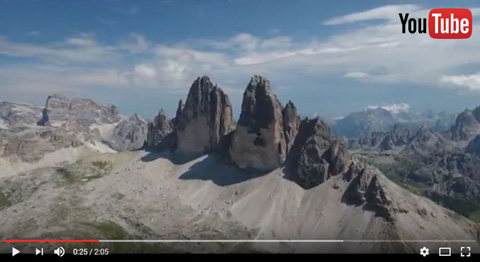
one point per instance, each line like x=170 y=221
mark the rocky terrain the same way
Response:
x=78 y=169
x=443 y=166
x=129 y=135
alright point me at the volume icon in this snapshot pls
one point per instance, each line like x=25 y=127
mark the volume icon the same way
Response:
x=59 y=251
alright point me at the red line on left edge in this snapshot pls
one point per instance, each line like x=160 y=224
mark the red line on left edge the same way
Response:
x=40 y=240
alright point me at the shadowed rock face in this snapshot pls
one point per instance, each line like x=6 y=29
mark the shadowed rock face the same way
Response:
x=466 y=125
x=365 y=189
x=129 y=135
x=259 y=141
x=399 y=136
x=474 y=146
x=315 y=155
x=178 y=114
x=291 y=123
x=205 y=118
x=158 y=130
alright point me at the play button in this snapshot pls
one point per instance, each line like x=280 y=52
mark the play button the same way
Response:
x=14 y=251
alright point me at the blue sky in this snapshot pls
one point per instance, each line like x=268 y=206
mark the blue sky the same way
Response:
x=328 y=57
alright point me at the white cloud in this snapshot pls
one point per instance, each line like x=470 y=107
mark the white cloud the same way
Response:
x=191 y=55
x=370 y=52
x=389 y=12
x=462 y=82
x=145 y=71
x=356 y=74
x=81 y=48
x=394 y=108
x=135 y=43
x=175 y=73
x=83 y=40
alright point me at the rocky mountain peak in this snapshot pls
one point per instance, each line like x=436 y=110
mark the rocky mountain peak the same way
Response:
x=315 y=155
x=366 y=189
x=259 y=84
x=424 y=133
x=160 y=128
x=259 y=140
x=359 y=124
x=259 y=104
x=466 y=125
x=399 y=136
x=134 y=117
x=476 y=113
x=179 y=111
x=84 y=110
x=291 y=123
x=425 y=142
x=130 y=134
x=206 y=116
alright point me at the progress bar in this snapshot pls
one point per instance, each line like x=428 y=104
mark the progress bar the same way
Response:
x=238 y=241
x=282 y=241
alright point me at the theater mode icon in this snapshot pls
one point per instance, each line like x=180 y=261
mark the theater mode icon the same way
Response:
x=444 y=251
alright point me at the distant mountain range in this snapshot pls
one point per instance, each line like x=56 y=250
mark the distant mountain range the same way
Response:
x=363 y=123
x=443 y=166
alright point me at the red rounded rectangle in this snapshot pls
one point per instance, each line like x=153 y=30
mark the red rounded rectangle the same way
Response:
x=450 y=23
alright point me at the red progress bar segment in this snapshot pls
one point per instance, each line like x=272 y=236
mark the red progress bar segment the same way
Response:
x=45 y=241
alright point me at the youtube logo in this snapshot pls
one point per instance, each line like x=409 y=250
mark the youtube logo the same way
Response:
x=450 y=23
x=443 y=23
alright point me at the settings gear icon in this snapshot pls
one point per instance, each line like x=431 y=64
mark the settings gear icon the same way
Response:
x=424 y=251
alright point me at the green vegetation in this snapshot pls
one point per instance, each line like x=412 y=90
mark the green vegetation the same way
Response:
x=401 y=168
x=475 y=216
x=66 y=176
x=109 y=229
x=410 y=186
x=404 y=166
x=466 y=208
x=82 y=172
x=4 y=200
x=102 y=165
